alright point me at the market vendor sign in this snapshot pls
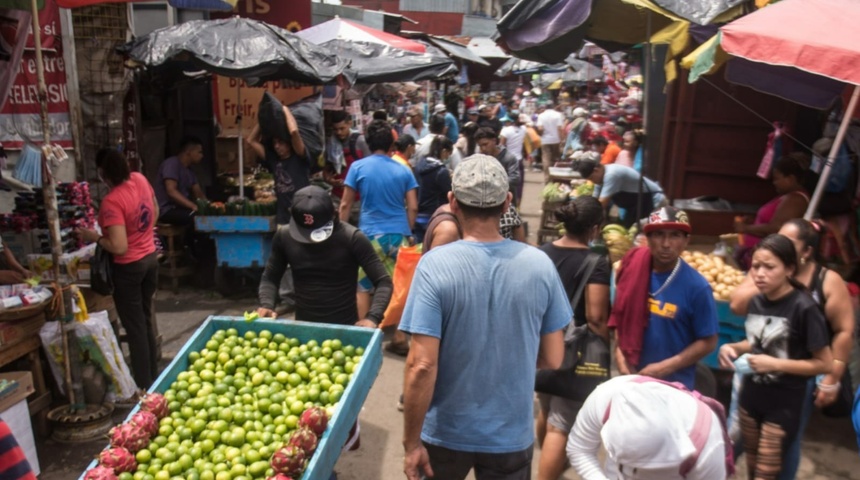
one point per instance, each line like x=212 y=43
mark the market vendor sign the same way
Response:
x=20 y=118
x=230 y=102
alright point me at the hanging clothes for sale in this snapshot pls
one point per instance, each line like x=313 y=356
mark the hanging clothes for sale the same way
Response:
x=773 y=151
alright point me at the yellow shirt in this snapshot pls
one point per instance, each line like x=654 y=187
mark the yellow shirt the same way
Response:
x=399 y=159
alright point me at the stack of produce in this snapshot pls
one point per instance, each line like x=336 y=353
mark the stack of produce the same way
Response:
x=239 y=208
x=722 y=276
x=618 y=240
x=248 y=407
x=584 y=189
x=555 y=192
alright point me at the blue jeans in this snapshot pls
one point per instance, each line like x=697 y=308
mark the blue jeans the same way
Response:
x=791 y=456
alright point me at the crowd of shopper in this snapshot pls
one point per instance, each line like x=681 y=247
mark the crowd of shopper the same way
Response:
x=485 y=310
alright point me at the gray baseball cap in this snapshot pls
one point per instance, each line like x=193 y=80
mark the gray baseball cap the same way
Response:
x=480 y=181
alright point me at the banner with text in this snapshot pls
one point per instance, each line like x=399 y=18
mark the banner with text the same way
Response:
x=20 y=117
x=229 y=105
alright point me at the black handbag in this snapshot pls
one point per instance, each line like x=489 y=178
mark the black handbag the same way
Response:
x=101 y=272
x=586 y=357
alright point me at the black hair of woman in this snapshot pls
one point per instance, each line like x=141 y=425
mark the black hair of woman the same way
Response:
x=579 y=216
x=783 y=249
x=808 y=232
x=113 y=165
x=440 y=144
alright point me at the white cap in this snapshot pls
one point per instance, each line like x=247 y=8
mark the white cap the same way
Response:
x=439 y=108
x=579 y=112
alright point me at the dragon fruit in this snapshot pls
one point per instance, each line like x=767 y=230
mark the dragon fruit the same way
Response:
x=119 y=459
x=289 y=460
x=279 y=476
x=147 y=421
x=155 y=403
x=129 y=436
x=314 y=418
x=305 y=439
x=100 y=473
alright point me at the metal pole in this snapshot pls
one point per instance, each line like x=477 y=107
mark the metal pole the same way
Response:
x=831 y=157
x=647 y=47
x=239 y=140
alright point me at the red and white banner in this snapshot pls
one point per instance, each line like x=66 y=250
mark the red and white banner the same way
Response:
x=20 y=117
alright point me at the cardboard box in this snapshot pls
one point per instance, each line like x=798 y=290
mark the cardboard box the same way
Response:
x=18 y=418
x=227 y=156
x=17 y=330
x=25 y=388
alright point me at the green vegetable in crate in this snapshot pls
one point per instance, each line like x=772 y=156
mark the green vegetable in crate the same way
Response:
x=241 y=400
x=553 y=192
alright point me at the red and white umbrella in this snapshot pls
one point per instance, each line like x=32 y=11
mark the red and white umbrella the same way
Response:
x=816 y=36
x=340 y=29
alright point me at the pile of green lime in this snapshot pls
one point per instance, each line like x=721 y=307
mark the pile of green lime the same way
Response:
x=239 y=401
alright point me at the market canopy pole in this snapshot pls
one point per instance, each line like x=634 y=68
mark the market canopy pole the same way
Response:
x=831 y=157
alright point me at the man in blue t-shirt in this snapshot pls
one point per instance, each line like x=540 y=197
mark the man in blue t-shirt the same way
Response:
x=682 y=326
x=385 y=186
x=483 y=312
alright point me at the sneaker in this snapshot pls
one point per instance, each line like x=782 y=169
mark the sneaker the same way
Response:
x=400 y=403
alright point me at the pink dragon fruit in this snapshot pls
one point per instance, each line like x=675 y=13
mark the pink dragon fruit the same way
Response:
x=305 y=439
x=314 y=418
x=155 y=403
x=147 y=421
x=129 y=436
x=119 y=459
x=289 y=460
x=100 y=473
x=279 y=476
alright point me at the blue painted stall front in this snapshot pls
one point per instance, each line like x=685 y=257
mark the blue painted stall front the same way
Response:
x=346 y=411
x=241 y=242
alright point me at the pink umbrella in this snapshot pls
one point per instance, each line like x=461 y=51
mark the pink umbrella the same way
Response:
x=340 y=29
x=816 y=36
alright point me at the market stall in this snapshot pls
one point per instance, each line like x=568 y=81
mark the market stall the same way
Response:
x=255 y=398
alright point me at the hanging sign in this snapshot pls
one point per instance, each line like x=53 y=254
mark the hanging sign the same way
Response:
x=20 y=117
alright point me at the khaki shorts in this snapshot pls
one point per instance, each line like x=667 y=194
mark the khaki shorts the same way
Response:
x=560 y=412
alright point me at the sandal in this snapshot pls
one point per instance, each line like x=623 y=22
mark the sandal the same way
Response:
x=398 y=348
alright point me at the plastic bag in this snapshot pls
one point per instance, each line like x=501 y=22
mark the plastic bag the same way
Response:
x=404 y=271
x=97 y=344
x=101 y=272
x=309 y=117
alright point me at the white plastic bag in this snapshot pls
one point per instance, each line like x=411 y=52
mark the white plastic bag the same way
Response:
x=97 y=344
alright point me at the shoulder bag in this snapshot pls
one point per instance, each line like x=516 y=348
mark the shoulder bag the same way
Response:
x=101 y=272
x=586 y=356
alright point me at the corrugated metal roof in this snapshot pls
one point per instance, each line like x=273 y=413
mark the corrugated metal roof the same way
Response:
x=485 y=47
x=453 y=6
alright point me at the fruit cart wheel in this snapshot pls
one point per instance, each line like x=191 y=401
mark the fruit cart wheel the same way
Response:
x=706 y=383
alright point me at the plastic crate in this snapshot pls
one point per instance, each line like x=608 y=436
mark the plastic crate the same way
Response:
x=226 y=223
x=240 y=242
x=346 y=412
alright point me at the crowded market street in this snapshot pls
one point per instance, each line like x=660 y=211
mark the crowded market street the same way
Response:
x=829 y=449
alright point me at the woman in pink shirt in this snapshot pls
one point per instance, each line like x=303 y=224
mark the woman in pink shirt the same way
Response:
x=127 y=218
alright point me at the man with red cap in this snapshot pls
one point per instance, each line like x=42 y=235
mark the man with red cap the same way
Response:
x=664 y=314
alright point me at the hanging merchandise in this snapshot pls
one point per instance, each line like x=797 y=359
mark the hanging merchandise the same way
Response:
x=773 y=151
x=29 y=166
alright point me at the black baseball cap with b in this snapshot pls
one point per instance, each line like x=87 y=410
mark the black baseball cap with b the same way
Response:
x=313 y=215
